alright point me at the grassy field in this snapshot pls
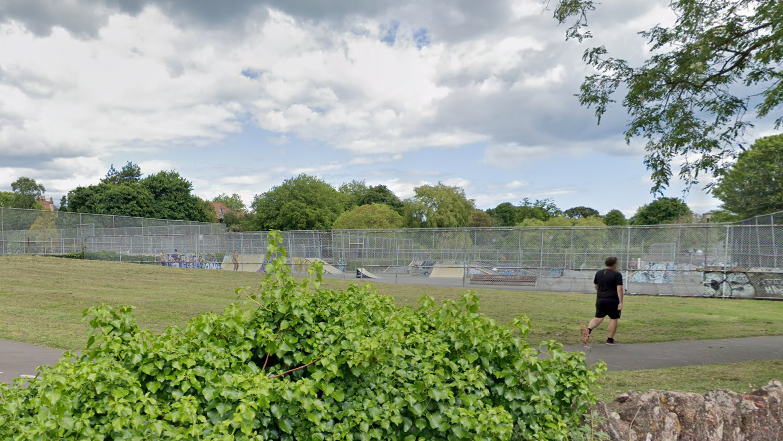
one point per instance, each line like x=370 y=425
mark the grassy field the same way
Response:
x=42 y=299
x=739 y=377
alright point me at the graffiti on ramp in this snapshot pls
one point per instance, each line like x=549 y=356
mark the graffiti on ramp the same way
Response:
x=362 y=273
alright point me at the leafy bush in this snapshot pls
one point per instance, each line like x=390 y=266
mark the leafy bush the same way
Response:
x=299 y=362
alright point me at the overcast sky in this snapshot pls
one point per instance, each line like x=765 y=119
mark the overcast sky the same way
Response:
x=239 y=95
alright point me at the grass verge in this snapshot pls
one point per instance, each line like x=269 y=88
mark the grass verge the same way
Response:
x=739 y=377
x=42 y=299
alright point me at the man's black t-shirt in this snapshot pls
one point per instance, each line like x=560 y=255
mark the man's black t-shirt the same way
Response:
x=608 y=281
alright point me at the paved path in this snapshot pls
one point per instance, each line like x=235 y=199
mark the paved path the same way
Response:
x=18 y=359
x=22 y=359
x=683 y=353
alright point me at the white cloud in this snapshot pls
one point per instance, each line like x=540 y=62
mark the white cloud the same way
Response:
x=513 y=155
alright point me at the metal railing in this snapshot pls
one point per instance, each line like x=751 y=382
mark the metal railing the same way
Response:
x=722 y=260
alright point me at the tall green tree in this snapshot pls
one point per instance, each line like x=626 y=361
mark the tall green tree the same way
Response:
x=353 y=193
x=28 y=186
x=129 y=174
x=504 y=215
x=662 y=211
x=174 y=199
x=439 y=206
x=707 y=78
x=370 y=216
x=380 y=194
x=26 y=193
x=615 y=218
x=233 y=202
x=480 y=219
x=300 y=203
x=580 y=212
x=6 y=199
x=754 y=185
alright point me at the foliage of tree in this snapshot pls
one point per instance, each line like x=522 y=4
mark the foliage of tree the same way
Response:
x=353 y=193
x=6 y=199
x=380 y=194
x=615 y=218
x=300 y=203
x=164 y=195
x=562 y=221
x=480 y=219
x=439 y=206
x=580 y=212
x=509 y=215
x=233 y=202
x=130 y=174
x=173 y=198
x=718 y=63
x=26 y=193
x=297 y=361
x=28 y=186
x=373 y=216
x=43 y=231
x=120 y=200
x=754 y=185
x=662 y=211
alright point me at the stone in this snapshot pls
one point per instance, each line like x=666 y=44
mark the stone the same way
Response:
x=719 y=415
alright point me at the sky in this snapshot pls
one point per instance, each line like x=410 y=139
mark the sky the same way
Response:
x=238 y=96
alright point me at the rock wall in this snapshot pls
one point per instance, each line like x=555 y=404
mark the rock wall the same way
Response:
x=677 y=416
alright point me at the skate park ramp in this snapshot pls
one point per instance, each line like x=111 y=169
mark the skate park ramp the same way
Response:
x=328 y=269
x=247 y=262
x=445 y=270
x=362 y=273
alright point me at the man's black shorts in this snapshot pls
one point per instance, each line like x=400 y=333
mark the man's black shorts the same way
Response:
x=604 y=308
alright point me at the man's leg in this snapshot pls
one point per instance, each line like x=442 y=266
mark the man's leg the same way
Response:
x=586 y=331
x=594 y=323
x=612 y=328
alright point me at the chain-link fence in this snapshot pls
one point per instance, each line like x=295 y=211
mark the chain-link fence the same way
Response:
x=717 y=260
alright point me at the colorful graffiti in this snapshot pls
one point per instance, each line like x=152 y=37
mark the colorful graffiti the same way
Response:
x=659 y=272
x=190 y=260
x=744 y=284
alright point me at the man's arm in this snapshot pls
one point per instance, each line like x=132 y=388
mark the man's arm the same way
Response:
x=620 y=293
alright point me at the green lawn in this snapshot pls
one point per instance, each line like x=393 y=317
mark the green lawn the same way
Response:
x=739 y=377
x=42 y=299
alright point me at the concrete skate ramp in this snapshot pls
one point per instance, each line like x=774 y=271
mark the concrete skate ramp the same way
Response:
x=247 y=262
x=364 y=274
x=328 y=269
x=448 y=271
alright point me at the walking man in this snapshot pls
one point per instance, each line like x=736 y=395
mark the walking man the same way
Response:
x=609 y=287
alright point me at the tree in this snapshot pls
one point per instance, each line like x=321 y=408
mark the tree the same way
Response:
x=372 y=216
x=380 y=194
x=130 y=174
x=173 y=199
x=754 y=185
x=508 y=215
x=300 y=203
x=26 y=193
x=580 y=212
x=353 y=193
x=661 y=211
x=480 y=219
x=439 y=206
x=615 y=218
x=165 y=195
x=29 y=187
x=44 y=231
x=6 y=199
x=692 y=97
x=504 y=215
x=233 y=202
